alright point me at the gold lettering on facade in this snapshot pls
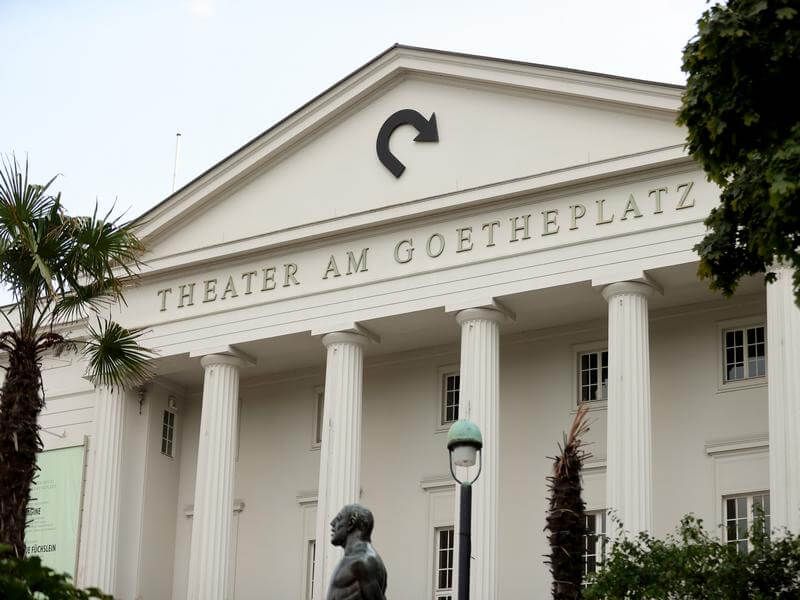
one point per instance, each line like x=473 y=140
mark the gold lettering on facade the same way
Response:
x=209 y=290
x=186 y=292
x=524 y=228
x=290 y=270
x=230 y=289
x=657 y=193
x=600 y=217
x=550 y=221
x=407 y=248
x=248 y=281
x=435 y=244
x=332 y=269
x=685 y=202
x=489 y=229
x=355 y=266
x=577 y=211
x=429 y=245
x=269 y=279
x=630 y=207
x=163 y=295
x=464 y=239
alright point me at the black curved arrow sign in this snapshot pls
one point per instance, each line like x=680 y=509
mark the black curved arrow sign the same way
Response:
x=427 y=129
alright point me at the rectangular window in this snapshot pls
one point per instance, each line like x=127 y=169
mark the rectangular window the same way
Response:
x=451 y=385
x=168 y=434
x=745 y=353
x=740 y=512
x=311 y=559
x=593 y=376
x=319 y=411
x=595 y=541
x=444 y=545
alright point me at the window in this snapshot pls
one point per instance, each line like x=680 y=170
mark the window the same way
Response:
x=593 y=376
x=740 y=512
x=745 y=353
x=319 y=416
x=451 y=387
x=311 y=555
x=168 y=434
x=444 y=545
x=595 y=541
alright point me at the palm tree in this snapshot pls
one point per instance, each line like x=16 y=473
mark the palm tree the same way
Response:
x=61 y=271
x=566 y=517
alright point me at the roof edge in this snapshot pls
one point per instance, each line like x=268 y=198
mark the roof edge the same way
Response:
x=145 y=217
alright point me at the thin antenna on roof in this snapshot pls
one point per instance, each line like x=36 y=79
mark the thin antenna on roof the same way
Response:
x=175 y=166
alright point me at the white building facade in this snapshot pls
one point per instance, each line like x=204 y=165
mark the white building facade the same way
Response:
x=320 y=321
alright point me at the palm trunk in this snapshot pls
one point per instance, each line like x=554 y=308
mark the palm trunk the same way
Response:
x=566 y=524
x=20 y=405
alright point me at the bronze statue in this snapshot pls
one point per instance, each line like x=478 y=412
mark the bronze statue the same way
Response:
x=360 y=575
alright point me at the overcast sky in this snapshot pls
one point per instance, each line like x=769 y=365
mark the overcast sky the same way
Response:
x=96 y=90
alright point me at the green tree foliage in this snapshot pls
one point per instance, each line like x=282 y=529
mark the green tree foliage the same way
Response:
x=27 y=579
x=60 y=269
x=566 y=519
x=742 y=115
x=691 y=565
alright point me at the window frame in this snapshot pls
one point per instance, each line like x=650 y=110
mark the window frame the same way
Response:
x=438 y=592
x=578 y=350
x=744 y=323
x=318 y=416
x=172 y=429
x=601 y=540
x=749 y=498
x=440 y=425
x=311 y=567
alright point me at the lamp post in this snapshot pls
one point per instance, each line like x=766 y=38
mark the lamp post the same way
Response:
x=464 y=442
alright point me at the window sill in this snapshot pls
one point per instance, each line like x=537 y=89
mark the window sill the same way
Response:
x=443 y=428
x=741 y=384
x=596 y=405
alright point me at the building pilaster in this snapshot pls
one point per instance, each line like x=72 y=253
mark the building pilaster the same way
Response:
x=340 y=449
x=102 y=537
x=629 y=481
x=209 y=554
x=479 y=401
x=783 y=376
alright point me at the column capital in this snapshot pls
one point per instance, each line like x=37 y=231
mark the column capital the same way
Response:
x=640 y=288
x=223 y=355
x=483 y=314
x=345 y=337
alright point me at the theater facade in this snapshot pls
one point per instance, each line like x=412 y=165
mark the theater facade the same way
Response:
x=436 y=236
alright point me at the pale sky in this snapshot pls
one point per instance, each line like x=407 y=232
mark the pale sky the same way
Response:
x=96 y=90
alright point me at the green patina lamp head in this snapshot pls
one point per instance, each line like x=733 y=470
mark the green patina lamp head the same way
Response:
x=464 y=439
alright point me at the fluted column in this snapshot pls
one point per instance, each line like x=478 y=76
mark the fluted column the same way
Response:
x=479 y=402
x=340 y=449
x=209 y=554
x=629 y=481
x=102 y=535
x=783 y=354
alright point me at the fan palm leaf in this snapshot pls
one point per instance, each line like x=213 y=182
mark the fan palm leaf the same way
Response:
x=59 y=268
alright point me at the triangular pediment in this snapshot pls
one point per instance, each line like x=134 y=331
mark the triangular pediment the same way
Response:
x=318 y=171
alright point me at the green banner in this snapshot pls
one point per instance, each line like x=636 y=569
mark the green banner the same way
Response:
x=54 y=509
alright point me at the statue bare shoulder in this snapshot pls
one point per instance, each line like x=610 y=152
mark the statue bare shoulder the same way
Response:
x=361 y=574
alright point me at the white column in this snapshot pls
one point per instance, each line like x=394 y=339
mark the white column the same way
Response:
x=479 y=402
x=340 y=450
x=209 y=554
x=102 y=535
x=783 y=376
x=629 y=482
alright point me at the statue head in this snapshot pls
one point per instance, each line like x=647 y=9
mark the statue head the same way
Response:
x=352 y=518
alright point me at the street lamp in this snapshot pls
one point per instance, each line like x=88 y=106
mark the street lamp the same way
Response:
x=464 y=442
